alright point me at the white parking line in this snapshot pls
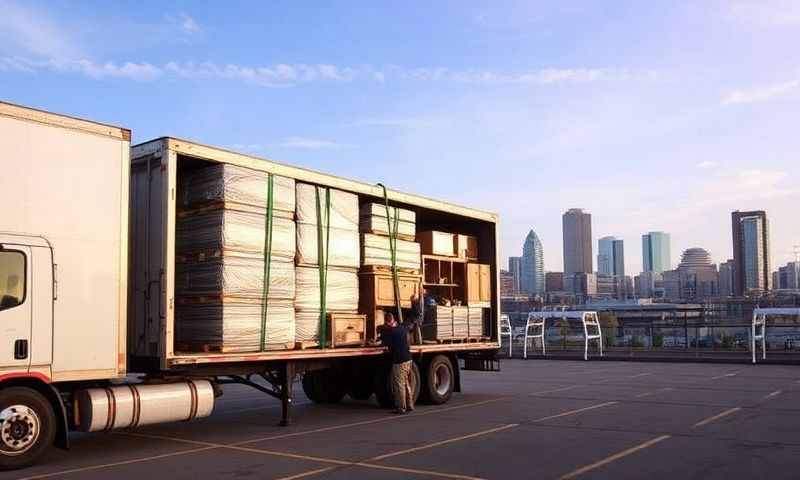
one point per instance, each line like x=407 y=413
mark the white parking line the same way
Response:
x=647 y=394
x=387 y=418
x=553 y=390
x=716 y=417
x=771 y=395
x=613 y=458
x=443 y=442
x=732 y=374
x=573 y=412
x=116 y=464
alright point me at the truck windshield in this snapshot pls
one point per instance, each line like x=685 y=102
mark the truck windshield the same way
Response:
x=12 y=279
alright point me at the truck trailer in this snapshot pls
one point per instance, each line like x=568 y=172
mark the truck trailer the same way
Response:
x=88 y=301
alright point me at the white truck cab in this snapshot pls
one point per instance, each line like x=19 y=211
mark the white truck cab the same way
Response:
x=26 y=304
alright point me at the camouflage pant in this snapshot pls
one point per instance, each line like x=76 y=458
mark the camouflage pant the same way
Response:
x=401 y=385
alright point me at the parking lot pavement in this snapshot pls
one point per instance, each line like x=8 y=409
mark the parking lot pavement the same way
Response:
x=536 y=418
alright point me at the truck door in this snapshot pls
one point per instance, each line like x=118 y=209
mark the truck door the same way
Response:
x=16 y=295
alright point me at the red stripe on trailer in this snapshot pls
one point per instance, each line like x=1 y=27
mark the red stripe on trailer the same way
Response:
x=37 y=375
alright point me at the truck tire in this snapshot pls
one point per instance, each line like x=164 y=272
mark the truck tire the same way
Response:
x=324 y=386
x=361 y=390
x=383 y=385
x=27 y=427
x=438 y=381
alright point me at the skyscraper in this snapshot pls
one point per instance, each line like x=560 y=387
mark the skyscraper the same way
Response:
x=605 y=255
x=532 y=266
x=656 y=252
x=515 y=269
x=577 y=231
x=751 y=269
x=726 y=278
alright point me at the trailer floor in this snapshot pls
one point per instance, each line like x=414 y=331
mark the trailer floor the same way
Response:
x=536 y=419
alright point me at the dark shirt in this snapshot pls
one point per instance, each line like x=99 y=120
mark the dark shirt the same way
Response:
x=396 y=340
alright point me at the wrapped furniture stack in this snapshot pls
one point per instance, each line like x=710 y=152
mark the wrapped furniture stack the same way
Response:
x=235 y=228
x=328 y=257
x=375 y=278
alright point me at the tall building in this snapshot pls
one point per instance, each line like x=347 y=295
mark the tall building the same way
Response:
x=577 y=231
x=532 y=279
x=789 y=276
x=751 y=269
x=656 y=252
x=554 y=281
x=605 y=256
x=696 y=278
x=619 y=258
x=726 y=278
x=515 y=269
x=506 y=283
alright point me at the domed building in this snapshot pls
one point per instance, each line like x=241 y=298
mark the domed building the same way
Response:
x=695 y=279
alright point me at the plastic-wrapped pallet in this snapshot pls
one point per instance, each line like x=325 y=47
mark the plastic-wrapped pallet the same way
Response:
x=341 y=291
x=343 y=207
x=220 y=253
x=343 y=246
x=375 y=251
x=235 y=277
x=438 y=325
x=460 y=322
x=220 y=232
x=238 y=188
x=341 y=296
x=373 y=220
x=476 y=315
x=235 y=326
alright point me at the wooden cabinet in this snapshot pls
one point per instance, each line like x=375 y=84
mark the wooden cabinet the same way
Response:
x=376 y=293
x=479 y=284
x=347 y=329
x=378 y=288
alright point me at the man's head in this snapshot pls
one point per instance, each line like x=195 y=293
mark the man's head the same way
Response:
x=388 y=319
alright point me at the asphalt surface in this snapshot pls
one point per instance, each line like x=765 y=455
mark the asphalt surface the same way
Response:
x=536 y=419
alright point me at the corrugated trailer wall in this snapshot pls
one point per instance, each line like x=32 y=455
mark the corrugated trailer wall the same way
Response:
x=157 y=166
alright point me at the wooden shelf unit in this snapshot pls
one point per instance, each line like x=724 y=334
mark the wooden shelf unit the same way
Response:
x=445 y=276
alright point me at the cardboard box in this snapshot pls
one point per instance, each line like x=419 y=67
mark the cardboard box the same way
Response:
x=437 y=243
x=466 y=246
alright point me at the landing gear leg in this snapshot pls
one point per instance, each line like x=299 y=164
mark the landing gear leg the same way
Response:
x=287 y=380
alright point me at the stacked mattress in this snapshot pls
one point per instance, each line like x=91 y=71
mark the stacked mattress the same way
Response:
x=221 y=235
x=327 y=234
x=373 y=220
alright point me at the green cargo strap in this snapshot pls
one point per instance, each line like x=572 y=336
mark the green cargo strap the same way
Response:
x=322 y=258
x=267 y=261
x=393 y=251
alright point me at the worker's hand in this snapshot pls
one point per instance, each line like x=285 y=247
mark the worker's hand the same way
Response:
x=413 y=297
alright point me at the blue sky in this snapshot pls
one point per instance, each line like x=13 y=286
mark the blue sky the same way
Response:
x=651 y=115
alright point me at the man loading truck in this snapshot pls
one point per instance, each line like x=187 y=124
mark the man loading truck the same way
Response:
x=395 y=337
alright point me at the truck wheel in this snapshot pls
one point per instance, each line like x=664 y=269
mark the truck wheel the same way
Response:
x=383 y=385
x=361 y=390
x=439 y=380
x=324 y=386
x=27 y=427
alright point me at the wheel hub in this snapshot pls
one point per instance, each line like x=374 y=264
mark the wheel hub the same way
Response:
x=441 y=379
x=19 y=429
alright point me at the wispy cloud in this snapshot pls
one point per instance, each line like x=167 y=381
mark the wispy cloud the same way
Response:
x=30 y=31
x=766 y=13
x=294 y=142
x=313 y=144
x=761 y=93
x=706 y=164
x=288 y=75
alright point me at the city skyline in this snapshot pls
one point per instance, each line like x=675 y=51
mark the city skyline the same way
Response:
x=662 y=240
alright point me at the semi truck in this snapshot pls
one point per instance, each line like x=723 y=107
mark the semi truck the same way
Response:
x=88 y=302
